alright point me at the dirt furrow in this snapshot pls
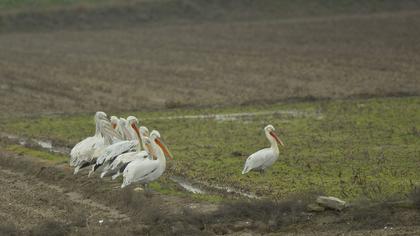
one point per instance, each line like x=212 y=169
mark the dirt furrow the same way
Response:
x=27 y=202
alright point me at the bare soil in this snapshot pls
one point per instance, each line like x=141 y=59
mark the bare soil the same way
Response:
x=27 y=205
x=40 y=198
x=257 y=57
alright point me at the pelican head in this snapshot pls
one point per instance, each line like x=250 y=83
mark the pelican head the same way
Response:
x=144 y=131
x=155 y=136
x=269 y=130
x=133 y=122
x=100 y=115
x=114 y=121
x=122 y=122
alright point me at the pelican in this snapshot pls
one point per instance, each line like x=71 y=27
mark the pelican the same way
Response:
x=106 y=137
x=121 y=127
x=116 y=168
x=118 y=148
x=147 y=170
x=266 y=157
x=132 y=130
x=114 y=122
x=85 y=147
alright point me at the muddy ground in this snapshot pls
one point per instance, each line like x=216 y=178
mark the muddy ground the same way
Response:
x=41 y=198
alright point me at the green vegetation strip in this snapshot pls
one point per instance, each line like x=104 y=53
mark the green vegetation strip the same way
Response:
x=45 y=155
x=349 y=149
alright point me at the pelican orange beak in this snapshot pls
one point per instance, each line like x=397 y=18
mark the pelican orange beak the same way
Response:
x=134 y=126
x=164 y=148
x=114 y=126
x=274 y=135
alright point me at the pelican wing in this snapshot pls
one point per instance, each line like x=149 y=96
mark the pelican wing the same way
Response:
x=115 y=150
x=140 y=171
x=108 y=132
x=83 y=149
x=126 y=158
x=258 y=160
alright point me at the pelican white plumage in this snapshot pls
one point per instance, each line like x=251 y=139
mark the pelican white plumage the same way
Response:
x=114 y=122
x=133 y=132
x=147 y=170
x=116 y=168
x=266 y=157
x=106 y=137
x=86 y=146
x=120 y=147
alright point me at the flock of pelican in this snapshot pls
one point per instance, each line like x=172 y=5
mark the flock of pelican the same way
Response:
x=120 y=147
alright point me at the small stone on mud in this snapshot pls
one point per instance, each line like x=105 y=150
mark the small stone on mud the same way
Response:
x=138 y=189
x=315 y=207
x=331 y=202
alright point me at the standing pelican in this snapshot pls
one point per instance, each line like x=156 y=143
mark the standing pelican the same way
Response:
x=118 y=148
x=114 y=122
x=106 y=136
x=132 y=133
x=147 y=170
x=85 y=147
x=116 y=168
x=266 y=157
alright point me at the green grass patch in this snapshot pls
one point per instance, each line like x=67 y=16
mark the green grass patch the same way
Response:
x=346 y=148
x=52 y=157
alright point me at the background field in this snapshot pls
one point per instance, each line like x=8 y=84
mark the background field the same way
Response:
x=82 y=59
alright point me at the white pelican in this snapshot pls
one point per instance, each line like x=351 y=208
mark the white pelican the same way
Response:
x=114 y=122
x=85 y=147
x=147 y=170
x=118 y=148
x=266 y=157
x=106 y=137
x=123 y=129
x=116 y=168
x=132 y=130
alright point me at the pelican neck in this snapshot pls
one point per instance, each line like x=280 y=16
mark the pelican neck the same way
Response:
x=273 y=142
x=159 y=153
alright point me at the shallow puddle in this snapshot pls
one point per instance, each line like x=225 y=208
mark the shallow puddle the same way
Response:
x=188 y=186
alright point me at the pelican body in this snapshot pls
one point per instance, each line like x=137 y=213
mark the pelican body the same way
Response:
x=116 y=168
x=147 y=170
x=94 y=148
x=119 y=147
x=86 y=146
x=264 y=158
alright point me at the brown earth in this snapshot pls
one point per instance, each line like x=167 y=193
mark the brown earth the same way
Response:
x=84 y=66
x=41 y=198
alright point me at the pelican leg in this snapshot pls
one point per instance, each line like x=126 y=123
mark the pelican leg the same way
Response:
x=147 y=191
